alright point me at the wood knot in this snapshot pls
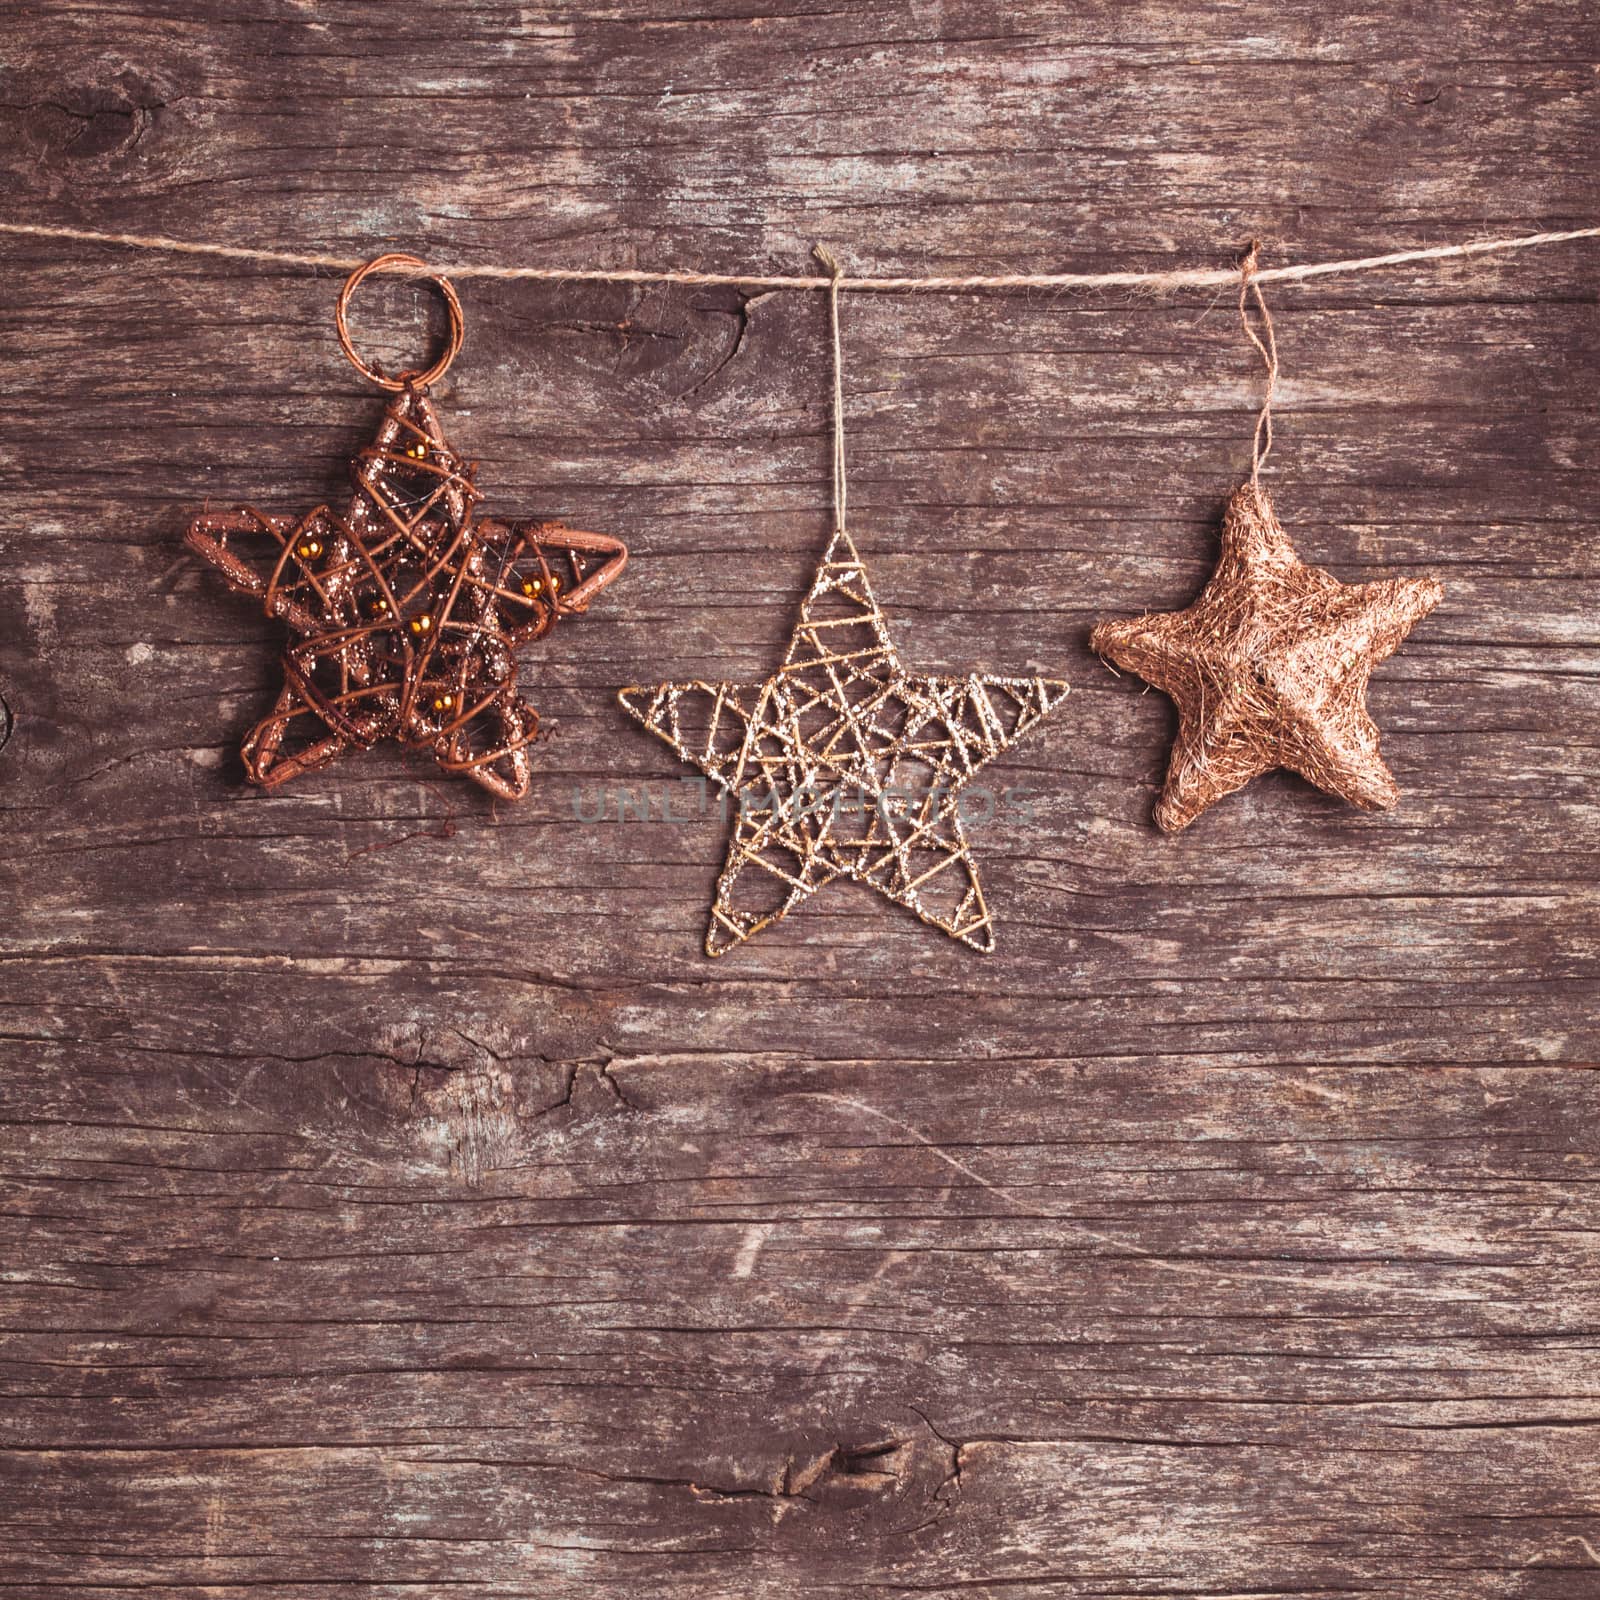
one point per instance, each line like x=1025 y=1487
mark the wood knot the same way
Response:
x=92 y=123
x=868 y=1481
x=850 y=1474
x=1417 y=92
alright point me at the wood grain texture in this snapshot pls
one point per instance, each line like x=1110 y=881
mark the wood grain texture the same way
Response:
x=435 y=1218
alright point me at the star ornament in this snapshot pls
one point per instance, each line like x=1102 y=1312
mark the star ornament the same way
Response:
x=407 y=611
x=1269 y=668
x=845 y=765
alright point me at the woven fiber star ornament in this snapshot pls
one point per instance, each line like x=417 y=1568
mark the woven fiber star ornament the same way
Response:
x=406 y=611
x=1269 y=667
x=845 y=765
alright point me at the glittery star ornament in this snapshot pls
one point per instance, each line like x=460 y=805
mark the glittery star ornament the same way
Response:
x=406 y=611
x=1269 y=668
x=845 y=765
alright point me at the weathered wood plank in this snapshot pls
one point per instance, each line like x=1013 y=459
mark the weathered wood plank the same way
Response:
x=1062 y=1321
x=395 y=1198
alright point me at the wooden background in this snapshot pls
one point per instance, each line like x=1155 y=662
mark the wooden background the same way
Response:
x=436 y=1219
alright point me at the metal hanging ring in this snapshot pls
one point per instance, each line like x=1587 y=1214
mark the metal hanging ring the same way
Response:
x=406 y=267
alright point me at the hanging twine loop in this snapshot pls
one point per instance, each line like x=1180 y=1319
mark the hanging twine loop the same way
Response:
x=830 y=264
x=1267 y=345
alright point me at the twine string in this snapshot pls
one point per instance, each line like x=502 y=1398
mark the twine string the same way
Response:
x=1150 y=282
x=835 y=274
x=1266 y=343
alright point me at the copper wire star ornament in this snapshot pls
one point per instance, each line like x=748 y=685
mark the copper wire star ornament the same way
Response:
x=1269 y=667
x=845 y=765
x=407 y=611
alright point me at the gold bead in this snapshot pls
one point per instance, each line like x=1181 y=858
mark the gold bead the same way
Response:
x=309 y=549
x=421 y=624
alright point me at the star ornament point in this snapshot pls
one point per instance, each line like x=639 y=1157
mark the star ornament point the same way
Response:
x=1269 y=668
x=844 y=765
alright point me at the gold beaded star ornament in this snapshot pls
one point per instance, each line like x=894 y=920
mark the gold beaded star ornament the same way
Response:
x=408 y=610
